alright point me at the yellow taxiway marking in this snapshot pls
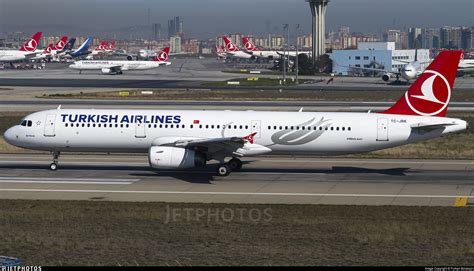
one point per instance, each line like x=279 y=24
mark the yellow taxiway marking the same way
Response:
x=460 y=202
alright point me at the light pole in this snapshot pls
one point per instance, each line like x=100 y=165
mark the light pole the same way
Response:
x=297 y=27
x=285 y=27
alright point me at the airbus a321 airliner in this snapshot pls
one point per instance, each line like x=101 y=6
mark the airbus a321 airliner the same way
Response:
x=179 y=139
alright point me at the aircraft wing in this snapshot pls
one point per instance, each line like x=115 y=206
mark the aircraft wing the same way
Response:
x=371 y=69
x=239 y=146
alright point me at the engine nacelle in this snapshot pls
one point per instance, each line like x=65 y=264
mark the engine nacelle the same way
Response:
x=385 y=77
x=175 y=158
x=129 y=58
x=106 y=70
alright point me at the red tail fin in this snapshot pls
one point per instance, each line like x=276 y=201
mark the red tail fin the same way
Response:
x=248 y=45
x=31 y=44
x=430 y=93
x=48 y=49
x=60 y=44
x=229 y=45
x=163 y=55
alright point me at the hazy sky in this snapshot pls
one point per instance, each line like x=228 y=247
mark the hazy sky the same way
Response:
x=211 y=17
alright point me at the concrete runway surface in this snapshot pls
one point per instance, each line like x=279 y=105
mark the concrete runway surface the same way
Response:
x=272 y=180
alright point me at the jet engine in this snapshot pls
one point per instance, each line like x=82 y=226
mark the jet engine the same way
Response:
x=175 y=158
x=385 y=77
x=113 y=70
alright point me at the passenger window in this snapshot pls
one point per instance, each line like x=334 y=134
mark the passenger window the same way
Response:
x=269 y=127
x=291 y=128
x=212 y=126
x=348 y=128
x=161 y=125
x=218 y=126
x=182 y=126
x=171 y=126
x=246 y=126
x=191 y=126
x=302 y=128
x=207 y=126
x=337 y=128
x=88 y=125
x=200 y=126
x=332 y=128
x=320 y=128
x=65 y=124
x=343 y=128
x=274 y=127
x=154 y=126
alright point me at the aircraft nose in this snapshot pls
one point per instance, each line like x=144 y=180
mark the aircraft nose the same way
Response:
x=10 y=136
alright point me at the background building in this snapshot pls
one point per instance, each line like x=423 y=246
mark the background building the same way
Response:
x=382 y=55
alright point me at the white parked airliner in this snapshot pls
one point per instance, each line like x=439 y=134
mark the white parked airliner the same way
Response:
x=117 y=66
x=28 y=50
x=180 y=139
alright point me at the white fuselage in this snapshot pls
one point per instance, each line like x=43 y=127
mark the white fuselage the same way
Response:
x=82 y=130
x=14 y=55
x=239 y=54
x=411 y=70
x=124 y=65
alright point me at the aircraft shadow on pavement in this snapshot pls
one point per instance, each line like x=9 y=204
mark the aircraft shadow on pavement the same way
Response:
x=207 y=175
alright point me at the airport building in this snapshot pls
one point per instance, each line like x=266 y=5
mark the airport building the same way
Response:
x=381 y=55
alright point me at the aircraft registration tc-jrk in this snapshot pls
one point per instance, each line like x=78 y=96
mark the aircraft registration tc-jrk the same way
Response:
x=179 y=139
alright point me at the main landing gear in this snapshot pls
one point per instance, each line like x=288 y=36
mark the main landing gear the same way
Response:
x=54 y=165
x=234 y=164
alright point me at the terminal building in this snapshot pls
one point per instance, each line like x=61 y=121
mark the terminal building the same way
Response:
x=380 y=55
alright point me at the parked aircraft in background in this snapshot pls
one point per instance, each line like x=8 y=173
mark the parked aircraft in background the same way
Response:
x=234 y=51
x=45 y=54
x=83 y=49
x=118 y=66
x=28 y=50
x=180 y=139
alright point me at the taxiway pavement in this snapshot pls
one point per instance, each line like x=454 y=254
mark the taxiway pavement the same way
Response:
x=272 y=180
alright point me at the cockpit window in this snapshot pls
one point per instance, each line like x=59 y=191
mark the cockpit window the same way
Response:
x=27 y=123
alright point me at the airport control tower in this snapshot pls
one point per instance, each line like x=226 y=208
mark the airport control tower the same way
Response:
x=318 y=10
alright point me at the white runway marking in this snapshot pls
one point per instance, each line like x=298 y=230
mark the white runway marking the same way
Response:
x=236 y=193
x=65 y=180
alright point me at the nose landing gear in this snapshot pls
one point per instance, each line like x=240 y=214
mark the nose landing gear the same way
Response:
x=54 y=165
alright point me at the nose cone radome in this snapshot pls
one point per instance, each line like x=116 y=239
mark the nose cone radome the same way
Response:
x=10 y=136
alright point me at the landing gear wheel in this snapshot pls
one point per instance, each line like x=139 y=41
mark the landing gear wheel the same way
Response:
x=235 y=164
x=53 y=166
x=223 y=170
